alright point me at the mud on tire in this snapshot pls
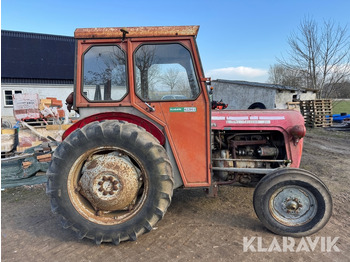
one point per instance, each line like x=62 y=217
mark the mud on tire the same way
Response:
x=146 y=155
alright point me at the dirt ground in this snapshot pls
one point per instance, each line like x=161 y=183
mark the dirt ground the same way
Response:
x=195 y=228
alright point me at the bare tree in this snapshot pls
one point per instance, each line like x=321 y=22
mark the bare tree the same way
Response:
x=171 y=78
x=321 y=55
x=281 y=75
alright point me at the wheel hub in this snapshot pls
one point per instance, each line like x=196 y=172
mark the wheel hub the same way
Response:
x=293 y=205
x=110 y=182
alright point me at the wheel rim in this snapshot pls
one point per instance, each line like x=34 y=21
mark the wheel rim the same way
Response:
x=90 y=210
x=293 y=205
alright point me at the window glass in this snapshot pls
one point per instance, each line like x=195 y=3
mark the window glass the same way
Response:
x=8 y=96
x=165 y=72
x=104 y=73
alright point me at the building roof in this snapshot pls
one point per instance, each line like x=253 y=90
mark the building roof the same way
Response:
x=36 y=58
x=262 y=85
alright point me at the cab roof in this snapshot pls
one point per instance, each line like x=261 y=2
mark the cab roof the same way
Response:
x=145 y=31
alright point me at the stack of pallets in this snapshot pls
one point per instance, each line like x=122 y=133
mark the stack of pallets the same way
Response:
x=317 y=113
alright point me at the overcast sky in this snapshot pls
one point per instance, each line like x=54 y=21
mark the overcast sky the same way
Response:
x=237 y=40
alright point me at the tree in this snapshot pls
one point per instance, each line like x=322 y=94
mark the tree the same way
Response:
x=281 y=75
x=148 y=70
x=340 y=90
x=321 y=55
x=171 y=78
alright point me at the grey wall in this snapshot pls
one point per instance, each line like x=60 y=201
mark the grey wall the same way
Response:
x=241 y=97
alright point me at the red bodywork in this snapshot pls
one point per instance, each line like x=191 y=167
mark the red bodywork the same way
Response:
x=283 y=121
x=121 y=117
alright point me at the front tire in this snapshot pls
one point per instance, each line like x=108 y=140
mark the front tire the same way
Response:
x=292 y=202
x=110 y=181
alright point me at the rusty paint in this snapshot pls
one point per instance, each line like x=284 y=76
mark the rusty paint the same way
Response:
x=92 y=164
x=151 y=31
x=112 y=184
x=85 y=208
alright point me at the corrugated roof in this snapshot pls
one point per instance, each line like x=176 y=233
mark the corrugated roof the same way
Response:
x=256 y=84
x=36 y=56
x=36 y=35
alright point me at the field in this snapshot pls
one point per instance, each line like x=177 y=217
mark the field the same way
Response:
x=342 y=106
x=195 y=228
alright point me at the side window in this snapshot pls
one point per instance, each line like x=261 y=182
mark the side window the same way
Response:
x=165 y=72
x=104 y=74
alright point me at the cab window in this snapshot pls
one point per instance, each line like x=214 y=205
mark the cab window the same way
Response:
x=165 y=72
x=104 y=74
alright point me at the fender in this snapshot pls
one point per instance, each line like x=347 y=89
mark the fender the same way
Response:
x=150 y=127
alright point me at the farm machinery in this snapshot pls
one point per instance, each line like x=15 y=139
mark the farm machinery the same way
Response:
x=147 y=127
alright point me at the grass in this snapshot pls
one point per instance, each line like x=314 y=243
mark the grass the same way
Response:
x=342 y=106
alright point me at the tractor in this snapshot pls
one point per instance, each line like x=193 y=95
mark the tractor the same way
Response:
x=147 y=126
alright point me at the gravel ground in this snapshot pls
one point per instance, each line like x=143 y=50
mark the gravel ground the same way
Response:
x=195 y=228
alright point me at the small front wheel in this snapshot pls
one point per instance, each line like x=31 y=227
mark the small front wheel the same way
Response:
x=292 y=202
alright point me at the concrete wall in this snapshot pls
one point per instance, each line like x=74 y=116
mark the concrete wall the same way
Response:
x=44 y=90
x=282 y=98
x=241 y=97
x=309 y=95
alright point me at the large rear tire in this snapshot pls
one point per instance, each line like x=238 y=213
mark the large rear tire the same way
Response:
x=292 y=202
x=110 y=181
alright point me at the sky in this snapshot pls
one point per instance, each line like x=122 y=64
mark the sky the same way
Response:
x=237 y=40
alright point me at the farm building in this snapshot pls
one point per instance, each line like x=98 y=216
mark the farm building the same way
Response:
x=36 y=64
x=250 y=95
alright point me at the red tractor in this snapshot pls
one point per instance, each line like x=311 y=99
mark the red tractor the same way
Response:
x=147 y=127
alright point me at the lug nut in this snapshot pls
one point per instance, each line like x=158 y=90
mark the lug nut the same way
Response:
x=105 y=178
x=105 y=193
x=100 y=189
x=115 y=187
x=111 y=192
x=100 y=183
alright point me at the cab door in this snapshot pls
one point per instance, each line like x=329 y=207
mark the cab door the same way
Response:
x=168 y=90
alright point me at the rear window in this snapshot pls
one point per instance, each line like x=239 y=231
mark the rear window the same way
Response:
x=104 y=73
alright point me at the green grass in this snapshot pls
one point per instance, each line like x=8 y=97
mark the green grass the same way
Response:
x=342 y=106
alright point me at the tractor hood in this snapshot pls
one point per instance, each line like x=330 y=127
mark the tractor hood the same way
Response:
x=251 y=119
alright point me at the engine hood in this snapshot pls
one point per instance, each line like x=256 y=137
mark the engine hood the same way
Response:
x=254 y=119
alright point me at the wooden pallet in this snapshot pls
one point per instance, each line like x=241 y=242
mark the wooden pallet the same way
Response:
x=317 y=113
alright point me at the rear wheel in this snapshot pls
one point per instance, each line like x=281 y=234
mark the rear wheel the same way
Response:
x=110 y=181
x=292 y=202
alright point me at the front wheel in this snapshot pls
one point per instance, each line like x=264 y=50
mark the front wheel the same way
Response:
x=110 y=181
x=292 y=202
